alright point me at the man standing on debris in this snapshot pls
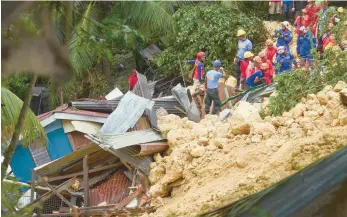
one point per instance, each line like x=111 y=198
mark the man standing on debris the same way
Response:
x=288 y=9
x=270 y=73
x=198 y=78
x=284 y=35
x=132 y=80
x=274 y=10
x=270 y=50
x=258 y=77
x=248 y=56
x=212 y=78
x=243 y=45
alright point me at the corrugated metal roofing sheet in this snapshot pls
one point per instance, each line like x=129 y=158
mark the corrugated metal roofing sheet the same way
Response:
x=129 y=110
x=170 y=104
x=142 y=88
x=112 y=190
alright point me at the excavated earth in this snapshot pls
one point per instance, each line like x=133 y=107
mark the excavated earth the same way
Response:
x=213 y=163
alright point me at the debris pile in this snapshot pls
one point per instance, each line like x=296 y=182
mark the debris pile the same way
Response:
x=212 y=163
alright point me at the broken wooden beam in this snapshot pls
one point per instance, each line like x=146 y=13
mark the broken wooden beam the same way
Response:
x=85 y=181
x=129 y=198
x=49 y=194
x=58 y=193
x=51 y=179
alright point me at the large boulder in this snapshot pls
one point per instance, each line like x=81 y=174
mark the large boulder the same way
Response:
x=298 y=110
x=239 y=126
x=246 y=111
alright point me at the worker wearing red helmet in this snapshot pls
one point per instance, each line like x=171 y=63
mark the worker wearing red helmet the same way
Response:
x=198 y=75
x=132 y=79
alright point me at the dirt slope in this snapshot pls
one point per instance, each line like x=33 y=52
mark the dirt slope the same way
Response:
x=213 y=163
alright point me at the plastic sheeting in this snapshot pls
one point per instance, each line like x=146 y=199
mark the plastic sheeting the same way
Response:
x=257 y=95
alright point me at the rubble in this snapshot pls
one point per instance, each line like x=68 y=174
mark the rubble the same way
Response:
x=220 y=162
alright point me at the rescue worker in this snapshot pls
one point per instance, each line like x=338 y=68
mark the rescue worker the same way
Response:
x=288 y=9
x=274 y=10
x=257 y=78
x=270 y=49
x=305 y=43
x=198 y=74
x=270 y=73
x=284 y=60
x=212 y=79
x=243 y=45
x=284 y=35
x=299 y=5
x=312 y=10
x=248 y=56
x=132 y=79
x=301 y=20
x=253 y=66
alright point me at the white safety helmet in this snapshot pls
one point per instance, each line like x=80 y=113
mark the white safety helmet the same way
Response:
x=286 y=24
x=303 y=29
x=281 y=49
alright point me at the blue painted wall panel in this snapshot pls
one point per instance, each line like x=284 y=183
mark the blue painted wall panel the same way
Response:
x=57 y=124
x=21 y=163
x=58 y=144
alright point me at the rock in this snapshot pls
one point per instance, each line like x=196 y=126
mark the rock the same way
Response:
x=335 y=123
x=159 y=190
x=220 y=142
x=240 y=128
x=339 y=86
x=203 y=141
x=171 y=177
x=333 y=107
x=247 y=112
x=289 y=122
x=158 y=158
x=327 y=88
x=343 y=117
x=312 y=105
x=296 y=132
x=311 y=114
x=241 y=163
x=263 y=128
x=277 y=121
x=198 y=151
x=311 y=97
x=156 y=173
x=231 y=81
x=161 y=112
x=333 y=96
x=343 y=96
x=298 y=110
x=257 y=138
x=322 y=98
x=307 y=123
x=200 y=131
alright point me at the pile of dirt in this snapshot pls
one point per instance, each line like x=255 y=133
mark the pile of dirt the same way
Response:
x=213 y=163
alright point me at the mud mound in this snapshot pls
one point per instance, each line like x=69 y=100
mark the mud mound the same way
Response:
x=212 y=163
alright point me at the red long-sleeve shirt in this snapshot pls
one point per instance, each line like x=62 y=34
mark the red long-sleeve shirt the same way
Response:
x=243 y=66
x=270 y=53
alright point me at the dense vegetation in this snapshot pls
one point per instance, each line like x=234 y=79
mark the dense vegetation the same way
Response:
x=211 y=28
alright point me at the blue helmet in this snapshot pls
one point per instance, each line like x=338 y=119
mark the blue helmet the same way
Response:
x=217 y=63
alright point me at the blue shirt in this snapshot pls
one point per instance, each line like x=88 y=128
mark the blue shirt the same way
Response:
x=285 y=39
x=284 y=63
x=242 y=47
x=304 y=45
x=287 y=2
x=250 y=81
x=212 y=78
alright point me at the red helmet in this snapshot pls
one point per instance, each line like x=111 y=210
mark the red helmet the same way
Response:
x=200 y=54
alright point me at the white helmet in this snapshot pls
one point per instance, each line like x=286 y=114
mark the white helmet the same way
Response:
x=281 y=49
x=303 y=29
x=286 y=24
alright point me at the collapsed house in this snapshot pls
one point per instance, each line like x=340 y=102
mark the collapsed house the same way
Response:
x=98 y=153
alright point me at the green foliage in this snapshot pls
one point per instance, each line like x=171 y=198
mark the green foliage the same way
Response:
x=17 y=83
x=11 y=106
x=210 y=28
x=297 y=84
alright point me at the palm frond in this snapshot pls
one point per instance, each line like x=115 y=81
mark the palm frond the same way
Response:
x=151 y=15
x=11 y=106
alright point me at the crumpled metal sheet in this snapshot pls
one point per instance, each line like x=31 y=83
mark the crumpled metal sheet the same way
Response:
x=257 y=95
x=193 y=113
x=142 y=88
x=181 y=95
x=129 y=110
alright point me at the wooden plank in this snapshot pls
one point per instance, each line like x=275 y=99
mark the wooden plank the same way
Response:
x=32 y=193
x=50 y=179
x=49 y=194
x=129 y=198
x=57 y=193
x=85 y=181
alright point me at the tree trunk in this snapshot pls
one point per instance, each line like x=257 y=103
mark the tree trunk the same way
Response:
x=17 y=130
x=106 y=68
